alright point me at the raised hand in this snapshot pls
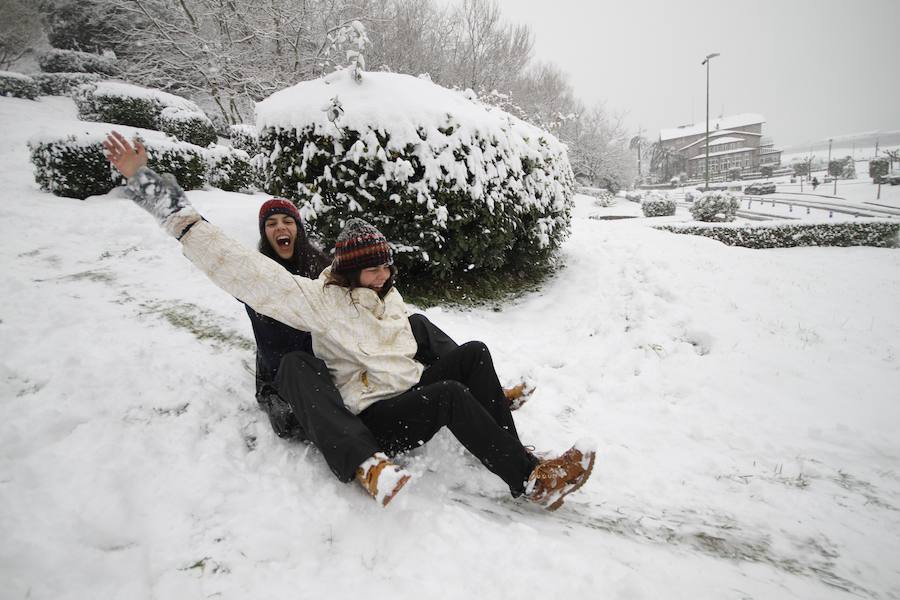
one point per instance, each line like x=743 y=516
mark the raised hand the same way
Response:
x=127 y=159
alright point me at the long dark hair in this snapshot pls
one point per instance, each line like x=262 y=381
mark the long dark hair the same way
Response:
x=306 y=261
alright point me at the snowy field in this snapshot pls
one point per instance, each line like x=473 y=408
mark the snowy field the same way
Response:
x=744 y=402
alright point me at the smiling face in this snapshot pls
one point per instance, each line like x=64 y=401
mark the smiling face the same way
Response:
x=374 y=278
x=281 y=231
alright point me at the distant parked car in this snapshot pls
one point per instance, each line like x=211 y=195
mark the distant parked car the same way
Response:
x=760 y=188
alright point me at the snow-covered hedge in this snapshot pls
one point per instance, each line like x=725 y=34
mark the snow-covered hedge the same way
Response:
x=656 y=205
x=690 y=195
x=455 y=185
x=859 y=232
x=715 y=206
x=75 y=166
x=18 y=85
x=243 y=137
x=60 y=84
x=634 y=196
x=602 y=197
x=126 y=104
x=230 y=169
x=72 y=61
x=193 y=127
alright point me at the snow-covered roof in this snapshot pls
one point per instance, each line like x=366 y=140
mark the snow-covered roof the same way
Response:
x=725 y=140
x=400 y=104
x=729 y=122
x=716 y=135
x=735 y=151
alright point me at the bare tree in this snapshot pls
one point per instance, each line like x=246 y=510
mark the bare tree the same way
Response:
x=20 y=30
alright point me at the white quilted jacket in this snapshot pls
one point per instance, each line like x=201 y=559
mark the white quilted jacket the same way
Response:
x=366 y=342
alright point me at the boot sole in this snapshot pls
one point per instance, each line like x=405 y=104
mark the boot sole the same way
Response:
x=396 y=489
x=581 y=481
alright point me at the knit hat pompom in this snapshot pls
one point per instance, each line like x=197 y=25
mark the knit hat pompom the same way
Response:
x=276 y=206
x=360 y=246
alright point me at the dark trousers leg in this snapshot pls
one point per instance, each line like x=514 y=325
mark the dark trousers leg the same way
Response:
x=471 y=364
x=431 y=341
x=304 y=382
x=412 y=418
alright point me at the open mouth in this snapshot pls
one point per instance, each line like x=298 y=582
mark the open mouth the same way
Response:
x=283 y=240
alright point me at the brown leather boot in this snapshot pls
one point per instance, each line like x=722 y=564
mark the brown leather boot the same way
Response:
x=518 y=395
x=381 y=478
x=554 y=479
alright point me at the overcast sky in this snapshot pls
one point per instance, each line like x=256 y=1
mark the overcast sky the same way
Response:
x=812 y=68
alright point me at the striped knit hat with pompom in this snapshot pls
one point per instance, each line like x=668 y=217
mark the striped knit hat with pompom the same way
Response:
x=360 y=246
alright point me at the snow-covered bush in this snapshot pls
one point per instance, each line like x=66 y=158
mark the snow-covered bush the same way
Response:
x=72 y=61
x=75 y=166
x=192 y=127
x=18 y=85
x=126 y=104
x=453 y=184
x=243 y=137
x=715 y=206
x=230 y=169
x=602 y=197
x=690 y=195
x=656 y=205
x=60 y=84
x=634 y=196
x=859 y=232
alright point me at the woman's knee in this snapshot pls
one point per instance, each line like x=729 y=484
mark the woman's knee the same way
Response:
x=475 y=348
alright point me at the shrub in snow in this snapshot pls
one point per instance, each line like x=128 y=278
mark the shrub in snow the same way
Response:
x=18 y=85
x=72 y=61
x=230 y=169
x=715 y=206
x=188 y=126
x=634 y=196
x=75 y=166
x=602 y=197
x=453 y=184
x=690 y=195
x=861 y=232
x=655 y=205
x=243 y=137
x=126 y=104
x=60 y=84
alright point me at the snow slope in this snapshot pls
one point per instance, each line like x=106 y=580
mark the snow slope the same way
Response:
x=744 y=402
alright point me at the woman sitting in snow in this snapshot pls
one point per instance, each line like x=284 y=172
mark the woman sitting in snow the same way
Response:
x=360 y=329
x=283 y=239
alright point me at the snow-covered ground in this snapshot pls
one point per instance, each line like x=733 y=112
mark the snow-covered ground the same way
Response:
x=744 y=402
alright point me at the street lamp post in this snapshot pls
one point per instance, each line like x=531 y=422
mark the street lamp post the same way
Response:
x=706 y=62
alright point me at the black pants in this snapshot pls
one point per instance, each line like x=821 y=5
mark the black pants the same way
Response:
x=342 y=438
x=461 y=392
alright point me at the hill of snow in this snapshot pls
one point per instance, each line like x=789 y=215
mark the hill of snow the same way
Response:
x=744 y=402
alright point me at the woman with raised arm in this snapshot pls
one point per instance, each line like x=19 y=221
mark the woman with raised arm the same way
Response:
x=361 y=331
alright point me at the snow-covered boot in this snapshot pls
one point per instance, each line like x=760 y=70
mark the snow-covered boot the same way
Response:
x=518 y=395
x=555 y=478
x=381 y=478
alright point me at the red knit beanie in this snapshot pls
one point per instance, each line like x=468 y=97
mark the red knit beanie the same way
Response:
x=359 y=246
x=274 y=207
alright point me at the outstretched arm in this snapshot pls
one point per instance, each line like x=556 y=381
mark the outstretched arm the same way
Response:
x=244 y=273
x=162 y=198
